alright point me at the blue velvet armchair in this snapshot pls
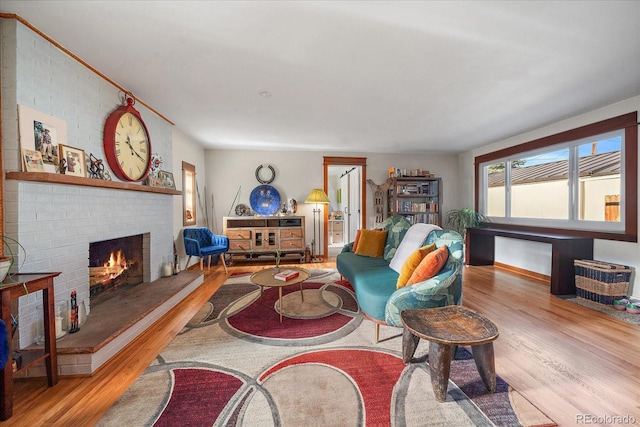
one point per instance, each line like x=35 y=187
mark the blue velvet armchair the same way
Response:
x=201 y=242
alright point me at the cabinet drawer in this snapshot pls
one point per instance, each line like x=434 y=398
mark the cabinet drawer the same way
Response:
x=239 y=234
x=239 y=245
x=337 y=237
x=291 y=244
x=294 y=233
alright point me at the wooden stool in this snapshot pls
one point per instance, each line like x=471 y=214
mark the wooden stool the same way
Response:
x=446 y=328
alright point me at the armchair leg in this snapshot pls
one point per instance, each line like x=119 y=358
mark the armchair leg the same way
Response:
x=209 y=263
x=224 y=264
x=201 y=263
x=187 y=265
x=377 y=332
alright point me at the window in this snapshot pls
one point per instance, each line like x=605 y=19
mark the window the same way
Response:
x=188 y=194
x=582 y=181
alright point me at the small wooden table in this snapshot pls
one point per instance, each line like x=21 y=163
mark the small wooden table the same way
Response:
x=564 y=250
x=446 y=328
x=265 y=277
x=13 y=287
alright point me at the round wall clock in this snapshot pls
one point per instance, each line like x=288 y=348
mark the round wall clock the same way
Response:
x=127 y=146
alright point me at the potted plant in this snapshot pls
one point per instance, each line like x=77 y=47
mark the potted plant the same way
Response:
x=8 y=261
x=461 y=219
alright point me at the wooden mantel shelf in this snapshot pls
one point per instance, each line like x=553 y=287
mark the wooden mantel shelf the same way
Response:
x=54 y=178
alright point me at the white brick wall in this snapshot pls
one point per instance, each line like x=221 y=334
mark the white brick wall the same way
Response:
x=55 y=223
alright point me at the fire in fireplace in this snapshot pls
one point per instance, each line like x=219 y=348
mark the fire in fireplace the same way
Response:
x=115 y=263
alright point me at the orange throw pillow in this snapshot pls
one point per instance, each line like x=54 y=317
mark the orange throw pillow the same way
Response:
x=371 y=243
x=355 y=241
x=430 y=265
x=412 y=263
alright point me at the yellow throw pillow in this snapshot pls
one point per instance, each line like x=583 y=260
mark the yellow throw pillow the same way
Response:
x=430 y=265
x=412 y=263
x=355 y=241
x=371 y=243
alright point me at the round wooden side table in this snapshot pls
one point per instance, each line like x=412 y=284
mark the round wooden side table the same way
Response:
x=266 y=278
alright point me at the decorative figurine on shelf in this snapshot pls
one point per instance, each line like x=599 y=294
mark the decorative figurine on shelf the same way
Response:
x=278 y=255
x=74 y=313
x=156 y=164
x=176 y=263
x=96 y=169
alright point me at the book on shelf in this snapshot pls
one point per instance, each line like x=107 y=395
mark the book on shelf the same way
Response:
x=286 y=275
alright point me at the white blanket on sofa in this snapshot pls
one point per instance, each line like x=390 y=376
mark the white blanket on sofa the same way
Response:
x=412 y=240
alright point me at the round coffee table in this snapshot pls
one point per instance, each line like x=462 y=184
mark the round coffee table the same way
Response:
x=264 y=278
x=446 y=328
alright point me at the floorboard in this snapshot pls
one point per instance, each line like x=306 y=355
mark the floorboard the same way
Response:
x=567 y=360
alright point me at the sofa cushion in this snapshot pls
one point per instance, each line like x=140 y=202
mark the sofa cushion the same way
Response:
x=412 y=240
x=397 y=227
x=350 y=265
x=356 y=240
x=430 y=265
x=371 y=243
x=412 y=262
x=373 y=287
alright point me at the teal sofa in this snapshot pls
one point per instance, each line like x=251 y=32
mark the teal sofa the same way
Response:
x=374 y=281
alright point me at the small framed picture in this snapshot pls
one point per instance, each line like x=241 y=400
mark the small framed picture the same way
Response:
x=42 y=132
x=153 y=181
x=167 y=179
x=72 y=160
x=32 y=161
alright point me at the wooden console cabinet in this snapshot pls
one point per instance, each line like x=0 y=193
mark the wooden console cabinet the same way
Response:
x=259 y=238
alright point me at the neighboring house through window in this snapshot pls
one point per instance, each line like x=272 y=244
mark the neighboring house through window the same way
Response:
x=582 y=181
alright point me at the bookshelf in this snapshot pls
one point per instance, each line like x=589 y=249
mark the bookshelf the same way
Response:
x=417 y=198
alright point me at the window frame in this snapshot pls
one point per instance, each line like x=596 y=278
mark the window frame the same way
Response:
x=629 y=179
x=188 y=193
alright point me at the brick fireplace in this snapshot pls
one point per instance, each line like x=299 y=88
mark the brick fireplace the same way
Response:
x=56 y=223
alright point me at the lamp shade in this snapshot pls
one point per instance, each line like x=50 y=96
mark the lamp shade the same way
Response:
x=317 y=195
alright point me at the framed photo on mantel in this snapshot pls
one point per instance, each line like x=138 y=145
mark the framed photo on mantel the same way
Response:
x=167 y=179
x=44 y=133
x=74 y=160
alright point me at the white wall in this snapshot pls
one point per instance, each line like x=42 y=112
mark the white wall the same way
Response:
x=186 y=149
x=605 y=250
x=298 y=172
x=55 y=223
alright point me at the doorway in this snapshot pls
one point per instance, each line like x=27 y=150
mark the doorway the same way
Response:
x=344 y=182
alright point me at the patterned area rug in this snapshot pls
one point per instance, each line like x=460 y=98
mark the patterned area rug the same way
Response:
x=235 y=364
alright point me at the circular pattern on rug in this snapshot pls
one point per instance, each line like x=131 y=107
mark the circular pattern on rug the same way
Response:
x=328 y=312
x=203 y=313
x=316 y=304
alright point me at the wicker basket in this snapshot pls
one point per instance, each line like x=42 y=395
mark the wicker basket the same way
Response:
x=601 y=282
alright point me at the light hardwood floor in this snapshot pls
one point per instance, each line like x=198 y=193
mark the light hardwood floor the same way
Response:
x=569 y=361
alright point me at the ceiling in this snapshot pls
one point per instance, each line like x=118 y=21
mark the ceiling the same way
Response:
x=357 y=77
